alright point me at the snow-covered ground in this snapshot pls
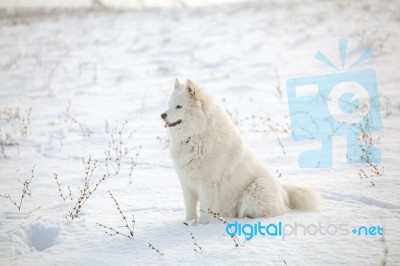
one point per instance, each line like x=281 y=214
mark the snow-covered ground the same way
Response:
x=93 y=77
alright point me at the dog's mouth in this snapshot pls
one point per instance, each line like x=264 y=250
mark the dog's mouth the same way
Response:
x=168 y=124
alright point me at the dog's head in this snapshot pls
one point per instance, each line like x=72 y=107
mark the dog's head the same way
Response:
x=185 y=107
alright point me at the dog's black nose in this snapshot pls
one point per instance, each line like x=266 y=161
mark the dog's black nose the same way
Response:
x=164 y=115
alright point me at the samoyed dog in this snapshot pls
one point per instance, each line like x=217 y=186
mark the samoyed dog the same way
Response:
x=216 y=170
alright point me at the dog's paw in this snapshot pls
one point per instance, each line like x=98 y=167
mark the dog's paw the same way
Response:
x=198 y=221
x=191 y=222
x=204 y=219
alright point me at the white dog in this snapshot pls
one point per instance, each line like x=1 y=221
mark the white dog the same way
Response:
x=215 y=167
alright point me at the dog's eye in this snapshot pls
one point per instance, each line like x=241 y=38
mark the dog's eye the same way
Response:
x=178 y=106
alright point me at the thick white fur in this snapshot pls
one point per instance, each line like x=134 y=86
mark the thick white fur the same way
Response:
x=215 y=167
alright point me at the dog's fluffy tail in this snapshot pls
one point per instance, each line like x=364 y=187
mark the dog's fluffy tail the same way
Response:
x=302 y=198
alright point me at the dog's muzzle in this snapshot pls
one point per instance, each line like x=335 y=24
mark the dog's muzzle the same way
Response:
x=168 y=124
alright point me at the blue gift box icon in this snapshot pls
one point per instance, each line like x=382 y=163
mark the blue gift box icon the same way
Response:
x=339 y=104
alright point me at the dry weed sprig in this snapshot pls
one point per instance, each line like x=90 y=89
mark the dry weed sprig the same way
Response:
x=116 y=149
x=387 y=106
x=385 y=248
x=62 y=195
x=70 y=194
x=33 y=210
x=59 y=187
x=130 y=234
x=197 y=247
x=88 y=188
x=234 y=114
x=133 y=164
x=25 y=122
x=218 y=217
x=278 y=139
x=123 y=216
x=12 y=121
x=2 y=150
x=278 y=84
x=25 y=191
x=155 y=249
x=258 y=123
x=114 y=232
x=265 y=125
x=365 y=138
x=362 y=174
x=374 y=170
x=6 y=140
x=365 y=143
x=85 y=130
x=385 y=251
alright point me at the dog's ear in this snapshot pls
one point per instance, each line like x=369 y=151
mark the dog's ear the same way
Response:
x=191 y=87
x=177 y=84
x=195 y=92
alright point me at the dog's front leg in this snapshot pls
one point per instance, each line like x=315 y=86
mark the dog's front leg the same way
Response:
x=191 y=198
x=206 y=198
